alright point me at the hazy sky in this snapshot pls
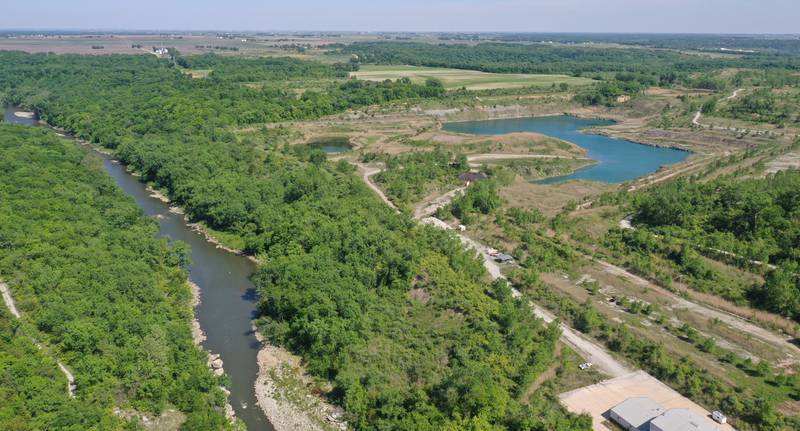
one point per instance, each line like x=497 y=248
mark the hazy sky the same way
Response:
x=684 y=16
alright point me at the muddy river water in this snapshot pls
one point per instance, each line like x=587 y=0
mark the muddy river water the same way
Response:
x=228 y=298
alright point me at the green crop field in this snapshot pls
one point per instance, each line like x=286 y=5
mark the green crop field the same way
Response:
x=471 y=79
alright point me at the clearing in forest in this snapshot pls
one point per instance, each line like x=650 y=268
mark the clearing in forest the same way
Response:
x=471 y=79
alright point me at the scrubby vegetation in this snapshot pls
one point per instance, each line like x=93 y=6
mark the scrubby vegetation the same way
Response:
x=98 y=290
x=409 y=177
x=751 y=408
x=397 y=316
x=756 y=220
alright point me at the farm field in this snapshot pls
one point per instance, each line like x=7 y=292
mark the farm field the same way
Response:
x=471 y=79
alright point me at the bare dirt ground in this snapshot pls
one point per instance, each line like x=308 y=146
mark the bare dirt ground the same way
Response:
x=698 y=114
x=599 y=398
x=784 y=162
x=9 y=300
x=432 y=203
x=282 y=390
x=548 y=374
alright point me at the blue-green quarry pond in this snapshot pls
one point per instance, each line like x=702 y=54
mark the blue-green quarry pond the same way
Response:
x=618 y=160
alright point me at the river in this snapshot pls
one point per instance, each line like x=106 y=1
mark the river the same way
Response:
x=228 y=298
x=618 y=160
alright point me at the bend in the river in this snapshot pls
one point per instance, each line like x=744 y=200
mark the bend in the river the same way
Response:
x=228 y=298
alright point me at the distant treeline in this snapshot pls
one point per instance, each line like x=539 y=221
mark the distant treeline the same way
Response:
x=543 y=58
x=720 y=43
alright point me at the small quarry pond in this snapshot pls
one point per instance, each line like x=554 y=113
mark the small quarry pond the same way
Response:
x=618 y=160
x=332 y=145
x=228 y=298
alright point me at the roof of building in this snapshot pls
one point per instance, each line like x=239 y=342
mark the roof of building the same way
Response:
x=683 y=420
x=472 y=176
x=637 y=411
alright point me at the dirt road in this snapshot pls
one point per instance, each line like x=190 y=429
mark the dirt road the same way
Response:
x=424 y=209
x=368 y=172
x=9 y=300
x=12 y=308
x=588 y=349
x=585 y=347
x=699 y=113
x=733 y=321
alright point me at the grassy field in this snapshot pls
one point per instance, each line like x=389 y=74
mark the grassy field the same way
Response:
x=472 y=80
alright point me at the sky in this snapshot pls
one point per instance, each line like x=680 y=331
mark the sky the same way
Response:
x=614 y=16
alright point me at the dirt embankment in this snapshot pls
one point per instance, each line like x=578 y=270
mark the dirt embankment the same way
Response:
x=283 y=393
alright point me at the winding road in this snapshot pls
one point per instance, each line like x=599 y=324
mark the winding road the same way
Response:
x=699 y=113
x=588 y=349
x=367 y=173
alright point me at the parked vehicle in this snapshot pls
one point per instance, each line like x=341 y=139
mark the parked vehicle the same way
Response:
x=719 y=417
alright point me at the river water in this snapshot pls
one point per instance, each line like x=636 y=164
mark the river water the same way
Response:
x=228 y=298
x=618 y=160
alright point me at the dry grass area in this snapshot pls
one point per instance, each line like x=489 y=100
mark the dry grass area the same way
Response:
x=599 y=398
x=551 y=198
x=471 y=79
x=516 y=143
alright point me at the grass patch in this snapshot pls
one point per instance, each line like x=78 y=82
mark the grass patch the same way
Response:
x=472 y=80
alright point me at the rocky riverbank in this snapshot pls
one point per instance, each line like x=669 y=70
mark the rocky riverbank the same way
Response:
x=214 y=361
x=285 y=394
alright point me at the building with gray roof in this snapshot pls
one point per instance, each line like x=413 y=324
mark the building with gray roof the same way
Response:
x=634 y=414
x=681 y=420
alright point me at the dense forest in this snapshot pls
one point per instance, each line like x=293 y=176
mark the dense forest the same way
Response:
x=753 y=219
x=99 y=97
x=345 y=279
x=546 y=58
x=97 y=290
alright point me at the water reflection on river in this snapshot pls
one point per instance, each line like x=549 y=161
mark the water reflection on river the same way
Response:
x=228 y=298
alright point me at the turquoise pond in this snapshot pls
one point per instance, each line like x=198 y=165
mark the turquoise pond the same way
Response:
x=618 y=160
